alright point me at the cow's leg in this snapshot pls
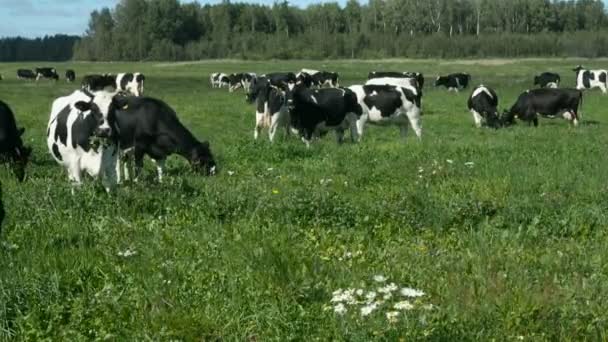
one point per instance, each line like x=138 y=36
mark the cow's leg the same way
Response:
x=160 y=167
x=110 y=165
x=354 y=131
x=360 y=125
x=259 y=123
x=413 y=116
x=74 y=175
x=138 y=154
x=274 y=123
x=477 y=118
x=340 y=135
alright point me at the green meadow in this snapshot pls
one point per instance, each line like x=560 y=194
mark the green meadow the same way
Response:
x=504 y=231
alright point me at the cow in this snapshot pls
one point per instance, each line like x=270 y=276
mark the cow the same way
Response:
x=271 y=111
x=48 y=73
x=148 y=126
x=419 y=77
x=11 y=145
x=278 y=79
x=454 y=82
x=323 y=78
x=547 y=80
x=99 y=82
x=547 y=102
x=395 y=81
x=589 y=79
x=388 y=104
x=25 y=74
x=483 y=104
x=234 y=81
x=70 y=75
x=82 y=135
x=131 y=83
x=314 y=111
x=304 y=78
x=219 y=80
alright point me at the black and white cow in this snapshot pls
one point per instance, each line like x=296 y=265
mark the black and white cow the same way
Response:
x=314 y=111
x=82 y=135
x=547 y=80
x=99 y=82
x=589 y=79
x=327 y=78
x=278 y=79
x=150 y=127
x=547 y=102
x=270 y=109
x=48 y=73
x=483 y=104
x=26 y=74
x=304 y=78
x=70 y=75
x=419 y=77
x=219 y=80
x=454 y=82
x=131 y=83
x=388 y=104
x=11 y=145
x=240 y=80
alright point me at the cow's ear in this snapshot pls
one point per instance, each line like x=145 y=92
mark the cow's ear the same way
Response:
x=21 y=131
x=82 y=106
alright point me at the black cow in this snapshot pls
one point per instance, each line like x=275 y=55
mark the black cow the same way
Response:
x=11 y=145
x=312 y=112
x=419 y=77
x=70 y=75
x=547 y=102
x=150 y=127
x=278 y=79
x=49 y=73
x=271 y=111
x=454 y=82
x=588 y=79
x=547 y=80
x=25 y=74
x=483 y=104
x=99 y=82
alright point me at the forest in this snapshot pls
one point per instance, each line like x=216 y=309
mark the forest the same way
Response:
x=137 y=30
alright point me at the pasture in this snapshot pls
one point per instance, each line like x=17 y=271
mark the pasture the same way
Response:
x=503 y=230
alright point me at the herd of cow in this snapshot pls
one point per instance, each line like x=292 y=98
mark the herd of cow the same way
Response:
x=107 y=124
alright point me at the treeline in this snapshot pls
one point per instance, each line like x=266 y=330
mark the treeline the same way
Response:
x=50 y=48
x=169 y=30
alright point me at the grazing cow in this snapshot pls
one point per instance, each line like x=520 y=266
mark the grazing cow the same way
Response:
x=234 y=81
x=547 y=102
x=394 y=74
x=26 y=74
x=219 y=80
x=150 y=127
x=454 y=82
x=11 y=145
x=70 y=75
x=278 y=79
x=48 y=73
x=589 y=79
x=271 y=111
x=82 y=134
x=388 y=104
x=483 y=104
x=99 y=82
x=312 y=112
x=131 y=83
x=547 y=80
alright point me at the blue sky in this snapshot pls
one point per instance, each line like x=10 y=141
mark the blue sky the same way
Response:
x=35 y=18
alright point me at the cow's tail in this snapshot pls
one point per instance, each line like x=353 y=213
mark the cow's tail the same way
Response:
x=579 y=113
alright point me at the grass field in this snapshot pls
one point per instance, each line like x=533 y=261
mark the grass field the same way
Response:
x=504 y=231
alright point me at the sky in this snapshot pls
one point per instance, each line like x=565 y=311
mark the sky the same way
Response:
x=37 y=18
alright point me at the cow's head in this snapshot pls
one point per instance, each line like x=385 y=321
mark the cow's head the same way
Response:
x=21 y=156
x=578 y=69
x=202 y=160
x=507 y=118
x=441 y=80
x=102 y=109
x=256 y=86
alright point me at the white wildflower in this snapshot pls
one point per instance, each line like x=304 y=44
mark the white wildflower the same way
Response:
x=450 y=161
x=345 y=296
x=428 y=307
x=340 y=309
x=379 y=278
x=387 y=296
x=368 y=309
x=420 y=170
x=391 y=316
x=469 y=164
x=127 y=253
x=388 y=288
x=359 y=292
x=403 y=305
x=370 y=296
x=410 y=292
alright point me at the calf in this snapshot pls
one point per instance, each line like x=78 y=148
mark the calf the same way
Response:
x=387 y=104
x=11 y=145
x=48 y=73
x=26 y=74
x=99 y=82
x=483 y=104
x=70 y=75
x=547 y=102
x=150 y=127
x=81 y=135
x=547 y=80
x=219 y=80
x=312 y=112
x=454 y=82
x=394 y=74
x=589 y=79
x=271 y=111
x=131 y=83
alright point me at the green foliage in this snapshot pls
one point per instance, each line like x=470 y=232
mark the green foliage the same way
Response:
x=509 y=247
